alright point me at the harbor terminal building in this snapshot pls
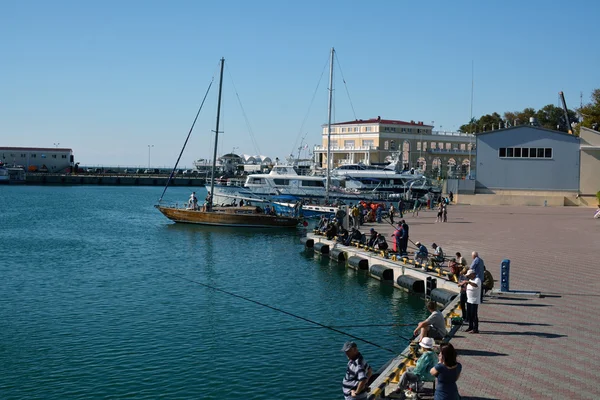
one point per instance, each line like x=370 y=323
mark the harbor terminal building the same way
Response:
x=375 y=142
x=38 y=159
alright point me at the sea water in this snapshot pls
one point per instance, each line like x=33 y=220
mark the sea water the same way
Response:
x=101 y=296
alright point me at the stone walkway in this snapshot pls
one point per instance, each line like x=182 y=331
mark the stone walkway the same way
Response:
x=528 y=347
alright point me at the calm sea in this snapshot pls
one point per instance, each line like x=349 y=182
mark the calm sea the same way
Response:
x=98 y=300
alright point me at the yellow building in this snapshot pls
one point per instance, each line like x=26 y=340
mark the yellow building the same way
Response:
x=378 y=141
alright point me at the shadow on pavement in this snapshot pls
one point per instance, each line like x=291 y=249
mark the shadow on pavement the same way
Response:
x=479 y=353
x=513 y=323
x=477 y=398
x=538 y=334
x=519 y=304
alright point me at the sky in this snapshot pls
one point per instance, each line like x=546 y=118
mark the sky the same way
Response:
x=120 y=82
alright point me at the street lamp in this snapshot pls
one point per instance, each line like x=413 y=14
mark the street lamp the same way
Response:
x=233 y=150
x=56 y=144
x=150 y=146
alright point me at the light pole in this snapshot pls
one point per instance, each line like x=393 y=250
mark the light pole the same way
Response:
x=56 y=144
x=150 y=146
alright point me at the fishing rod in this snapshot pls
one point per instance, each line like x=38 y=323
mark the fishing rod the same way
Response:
x=281 y=311
x=343 y=326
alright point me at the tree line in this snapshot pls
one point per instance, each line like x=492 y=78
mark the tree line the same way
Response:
x=549 y=117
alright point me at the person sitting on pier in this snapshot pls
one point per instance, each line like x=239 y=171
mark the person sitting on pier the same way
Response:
x=322 y=226
x=434 y=326
x=331 y=231
x=380 y=242
x=241 y=202
x=438 y=256
x=343 y=235
x=372 y=238
x=354 y=235
x=421 y=253
x=421 y=371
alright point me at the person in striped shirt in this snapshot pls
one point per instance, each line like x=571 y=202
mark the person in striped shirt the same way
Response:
x=357 y=375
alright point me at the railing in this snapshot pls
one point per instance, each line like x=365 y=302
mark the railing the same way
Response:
x=345 y=148
x=451 y=151
x=447 y=133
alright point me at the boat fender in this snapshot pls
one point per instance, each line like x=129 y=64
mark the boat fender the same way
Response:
x=442 y=296
x=338 y=255
x=310 y=243
x=382 y=272
x=359 y=263
x=411 y=283
x=322 y=248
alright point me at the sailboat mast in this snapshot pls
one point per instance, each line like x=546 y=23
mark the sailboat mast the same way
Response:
x=329 y=163
x=214 y=163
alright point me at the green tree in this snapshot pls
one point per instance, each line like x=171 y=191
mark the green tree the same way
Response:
x=591 y=112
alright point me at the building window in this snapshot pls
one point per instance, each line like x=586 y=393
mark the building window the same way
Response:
x=356 y=129
x=368 y=143
x=424 y=146
x=53 y=155
x=525 y=152
x=440 y=145
x=448 y=146
x=418 y=145
x=463 y=146
x=23 y=155
x=349 y=144
x=393 y=129
x=33 y=156
x=64 y=156
x=386 y=145
x=368 y=129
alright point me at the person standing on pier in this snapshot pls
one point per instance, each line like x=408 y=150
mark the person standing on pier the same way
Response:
x=193 y=203
x=391 y=213
x=479 y=267
x=401 y=208
x=398 y=239
x=473 y=285
x=404 y=245
x=357 y=375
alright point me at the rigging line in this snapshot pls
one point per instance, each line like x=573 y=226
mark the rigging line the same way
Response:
x=279 y=310
x=254 y=143
x=345 y=85
x=312 y=100
x=186 y=139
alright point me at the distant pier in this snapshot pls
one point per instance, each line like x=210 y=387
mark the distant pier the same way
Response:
x=111 y=179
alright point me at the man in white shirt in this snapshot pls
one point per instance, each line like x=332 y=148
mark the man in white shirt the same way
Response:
x=473 y=299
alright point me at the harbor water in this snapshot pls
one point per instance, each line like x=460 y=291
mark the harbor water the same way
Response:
x=103 y=297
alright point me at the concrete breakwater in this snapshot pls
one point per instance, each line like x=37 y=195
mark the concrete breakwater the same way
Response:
x=111 y=179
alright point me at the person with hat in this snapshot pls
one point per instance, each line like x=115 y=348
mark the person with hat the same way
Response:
x=421 y=253
x=357 y=375
x=422 y=370
x=473 y=285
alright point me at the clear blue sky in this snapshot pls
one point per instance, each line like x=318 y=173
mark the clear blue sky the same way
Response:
x=108 y=78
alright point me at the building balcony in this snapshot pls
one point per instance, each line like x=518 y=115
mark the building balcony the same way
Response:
x=447 y=133
x=345 y=148
x=451 y=151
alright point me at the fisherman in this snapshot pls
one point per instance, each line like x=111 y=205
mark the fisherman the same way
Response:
x=391 y=213
x=381 y=243
x=331 y=230
x=354 y=235
x=474 y=286
x=372 y=238
x=404 y=244
x=438 y=255
x=358 y=373
x=434 y=326
x=343 y=235
x=421 y=253
x=208 y=200
x=322 y=224
x=421 y=371
x=355 y=213
x=241 y=202
x=488 y=281
x=397 y=235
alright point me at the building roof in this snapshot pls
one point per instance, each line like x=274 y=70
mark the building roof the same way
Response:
x=34 y=149
x=526 y=126
x=378 y=120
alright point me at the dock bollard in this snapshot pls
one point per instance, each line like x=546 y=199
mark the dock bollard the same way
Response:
x=504 y=275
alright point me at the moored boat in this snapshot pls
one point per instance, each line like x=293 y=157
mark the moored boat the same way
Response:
x=245 y=216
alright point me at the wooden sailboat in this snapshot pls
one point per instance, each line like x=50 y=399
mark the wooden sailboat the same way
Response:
x=245 y=216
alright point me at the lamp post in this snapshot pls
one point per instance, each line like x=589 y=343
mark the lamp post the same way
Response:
x=150 y=146
x=56 y=144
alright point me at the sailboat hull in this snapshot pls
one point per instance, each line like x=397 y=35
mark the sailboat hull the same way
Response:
x=228 y=216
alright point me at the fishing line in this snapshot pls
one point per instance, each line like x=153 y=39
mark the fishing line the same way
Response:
x=341 y=326
x=281 y=311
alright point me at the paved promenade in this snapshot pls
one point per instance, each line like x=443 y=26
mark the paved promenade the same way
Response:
x=528 y=347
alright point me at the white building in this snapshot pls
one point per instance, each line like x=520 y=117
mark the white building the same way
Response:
x=38 y=158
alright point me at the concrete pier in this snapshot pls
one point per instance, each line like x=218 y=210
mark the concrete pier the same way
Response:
x=528 y=347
